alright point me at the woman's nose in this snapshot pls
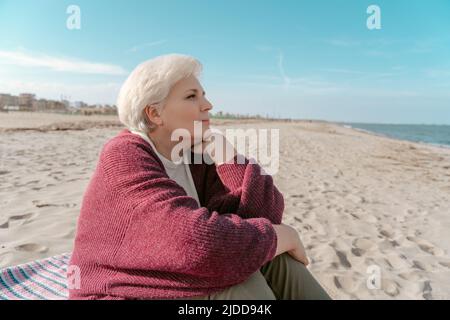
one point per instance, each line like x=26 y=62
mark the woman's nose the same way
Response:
x=206 y=105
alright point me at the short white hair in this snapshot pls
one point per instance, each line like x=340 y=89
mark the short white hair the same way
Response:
x=150 y=83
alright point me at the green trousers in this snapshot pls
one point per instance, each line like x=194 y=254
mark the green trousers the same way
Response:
x=282 y=278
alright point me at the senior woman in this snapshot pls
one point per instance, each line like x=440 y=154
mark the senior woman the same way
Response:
x=154 y=228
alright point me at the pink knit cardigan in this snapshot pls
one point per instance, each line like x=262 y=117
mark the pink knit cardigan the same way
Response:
x=139 y=236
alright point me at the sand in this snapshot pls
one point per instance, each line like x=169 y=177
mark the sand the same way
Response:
x=360 y=202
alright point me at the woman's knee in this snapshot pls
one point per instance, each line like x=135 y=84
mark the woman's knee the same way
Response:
x=291 y=279
x=254 y=288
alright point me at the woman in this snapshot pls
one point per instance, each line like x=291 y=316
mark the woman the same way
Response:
x=154 y=228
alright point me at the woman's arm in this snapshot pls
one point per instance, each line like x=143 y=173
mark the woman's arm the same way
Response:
x=243 y=185
x=167 y=230
x=289 y=241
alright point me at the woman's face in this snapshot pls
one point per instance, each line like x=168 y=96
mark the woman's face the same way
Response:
x=185 y=104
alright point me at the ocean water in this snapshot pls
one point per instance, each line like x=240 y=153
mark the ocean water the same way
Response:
x=433 y=134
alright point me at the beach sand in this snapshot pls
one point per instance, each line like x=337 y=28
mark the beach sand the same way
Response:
x=360 y=202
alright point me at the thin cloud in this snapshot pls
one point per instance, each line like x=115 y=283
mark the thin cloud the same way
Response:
x=146 y=45
x=23 y=59
x=280 y=63
x=286 y=79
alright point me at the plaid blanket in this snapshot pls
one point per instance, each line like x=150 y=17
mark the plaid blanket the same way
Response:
x=37 y=280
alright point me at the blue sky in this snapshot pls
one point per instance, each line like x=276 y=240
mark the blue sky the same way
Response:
x=299 y=59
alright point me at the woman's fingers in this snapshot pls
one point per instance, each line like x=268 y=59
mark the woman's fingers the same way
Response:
x=299 y=253
x=294 y=254
x=304 y=259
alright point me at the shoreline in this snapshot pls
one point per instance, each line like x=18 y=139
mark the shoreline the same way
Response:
x=383 y=135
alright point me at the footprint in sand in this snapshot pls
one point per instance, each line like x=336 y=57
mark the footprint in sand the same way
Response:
x=22 y=216
x=387 y=233
x=426 y=246
x=358 y=252
x=298 y=219
x=387 y=244
x=38 y=204
x=435 y=251
x=397 y=264
x=32 y=247
x=16 y=220
x=343 y=259
x=445 y=263
x=410 y=276
x=361 y=245
x=420 y=265
x=355 y=216
x=345 y=283
x=390 y=287
x=31 y=182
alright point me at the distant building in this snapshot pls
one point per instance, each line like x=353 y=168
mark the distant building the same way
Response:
x=8 y=100
x=55 y=106
x=39 y=105
x=26 y=101
x=11 y=108
x=98 y=109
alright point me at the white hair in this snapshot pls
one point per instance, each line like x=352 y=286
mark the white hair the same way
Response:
x=149 y=83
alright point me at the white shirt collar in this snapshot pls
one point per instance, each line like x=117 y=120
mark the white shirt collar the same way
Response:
x=168 y=163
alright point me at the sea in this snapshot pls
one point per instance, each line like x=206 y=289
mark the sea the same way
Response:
x=438 y=135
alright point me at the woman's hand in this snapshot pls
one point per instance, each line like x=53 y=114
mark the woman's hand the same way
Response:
x=299 y=252
x=289 y=241
x=217 y=147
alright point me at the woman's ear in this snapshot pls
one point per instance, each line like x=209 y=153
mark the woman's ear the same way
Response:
x=153 y=114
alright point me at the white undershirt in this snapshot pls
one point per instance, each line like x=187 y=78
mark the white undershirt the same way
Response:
x=180 y=173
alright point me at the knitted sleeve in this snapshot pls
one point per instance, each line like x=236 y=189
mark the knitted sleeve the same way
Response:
x=168 y=231
x=244 y=187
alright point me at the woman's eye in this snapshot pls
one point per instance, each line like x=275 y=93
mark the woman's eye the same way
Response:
x=191 y=96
